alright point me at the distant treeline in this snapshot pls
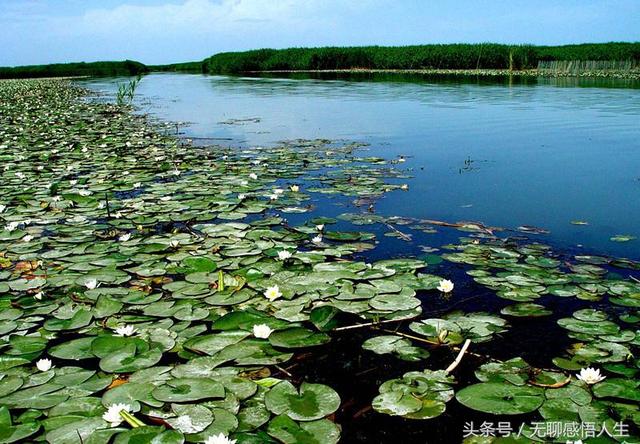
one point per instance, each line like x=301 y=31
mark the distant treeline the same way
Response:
x=126 y=68
x=485 y=56
x=199 y=67
x=447 y=56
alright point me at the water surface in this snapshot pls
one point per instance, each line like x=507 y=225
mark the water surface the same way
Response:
x=533 y=152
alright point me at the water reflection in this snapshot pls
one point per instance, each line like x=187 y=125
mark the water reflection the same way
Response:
x=545 y=152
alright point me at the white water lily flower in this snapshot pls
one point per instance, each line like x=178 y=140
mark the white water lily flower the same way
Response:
x=27 y=238
x=294 y=188
x=253 y=176
x=590 y=375
x=272 y=293
x=317 y=239
x=73 y=182
x=112 y=414
x=11 y=226
x=404 y=186
x=320 y=227
x=38 y=296
x=219 y=439
x=125 y=237
x=445 y=286
x=56 y=198
x=44 y=365
x=84 y=193
x=284 y=255
x=2 y=208
x=278 y=191
x=176 y=172
x=174 y=243
x=242 y=196
x=273 y=197
x=125 y=330
x=137 y=185
x=20 y=175
x=101 y=205
x=262 y=331
x=91 y=284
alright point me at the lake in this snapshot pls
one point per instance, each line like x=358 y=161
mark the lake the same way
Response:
x=507 y=153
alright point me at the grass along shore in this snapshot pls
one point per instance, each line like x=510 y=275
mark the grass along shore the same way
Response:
x=614 y=59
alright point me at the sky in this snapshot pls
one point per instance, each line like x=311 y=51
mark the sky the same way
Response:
x=169 y=31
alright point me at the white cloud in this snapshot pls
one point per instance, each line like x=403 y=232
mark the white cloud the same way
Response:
x=203 y=16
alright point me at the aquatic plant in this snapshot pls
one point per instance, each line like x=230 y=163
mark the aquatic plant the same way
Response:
x=126 y=91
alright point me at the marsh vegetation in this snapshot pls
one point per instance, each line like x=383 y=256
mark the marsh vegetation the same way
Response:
x=156 y=290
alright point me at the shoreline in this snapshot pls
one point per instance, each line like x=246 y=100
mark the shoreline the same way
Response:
x=462 y=72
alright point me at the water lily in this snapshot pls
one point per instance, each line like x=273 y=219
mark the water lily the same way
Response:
x=278 y=191
x=11 y=226
x=125 y=237
x=253 y=176
x=294 y=188
x=38 y=296
x=284 y=255
x=20 y=175
x=242 y=196
x=27 y=238
x=112 y=415
x=44 y=365
x=445 y=286
x=56 y=198
x=174 y=243
x=91 y=284
x=590 y=375
x=2 y=208
x=404 y=186
x=320 y=227
x=219 y=439
x=125 y=330
x=272 y=293
x=262 y=331
x=137 y=185
x=84 y=193
x=176 y=172
x=317 y=239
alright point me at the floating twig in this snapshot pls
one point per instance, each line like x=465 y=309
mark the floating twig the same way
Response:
x=368 y=324
x=455 y=363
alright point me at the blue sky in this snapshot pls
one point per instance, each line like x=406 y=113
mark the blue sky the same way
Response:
x=163 y=31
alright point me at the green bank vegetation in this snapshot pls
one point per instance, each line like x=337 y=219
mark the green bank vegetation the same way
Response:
x=614 y=56
x=449 y=56
x=97 y=69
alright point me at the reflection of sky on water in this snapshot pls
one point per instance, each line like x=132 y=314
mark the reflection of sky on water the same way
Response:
x=544 y=152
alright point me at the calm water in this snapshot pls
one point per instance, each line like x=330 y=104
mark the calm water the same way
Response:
x=536 y=153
